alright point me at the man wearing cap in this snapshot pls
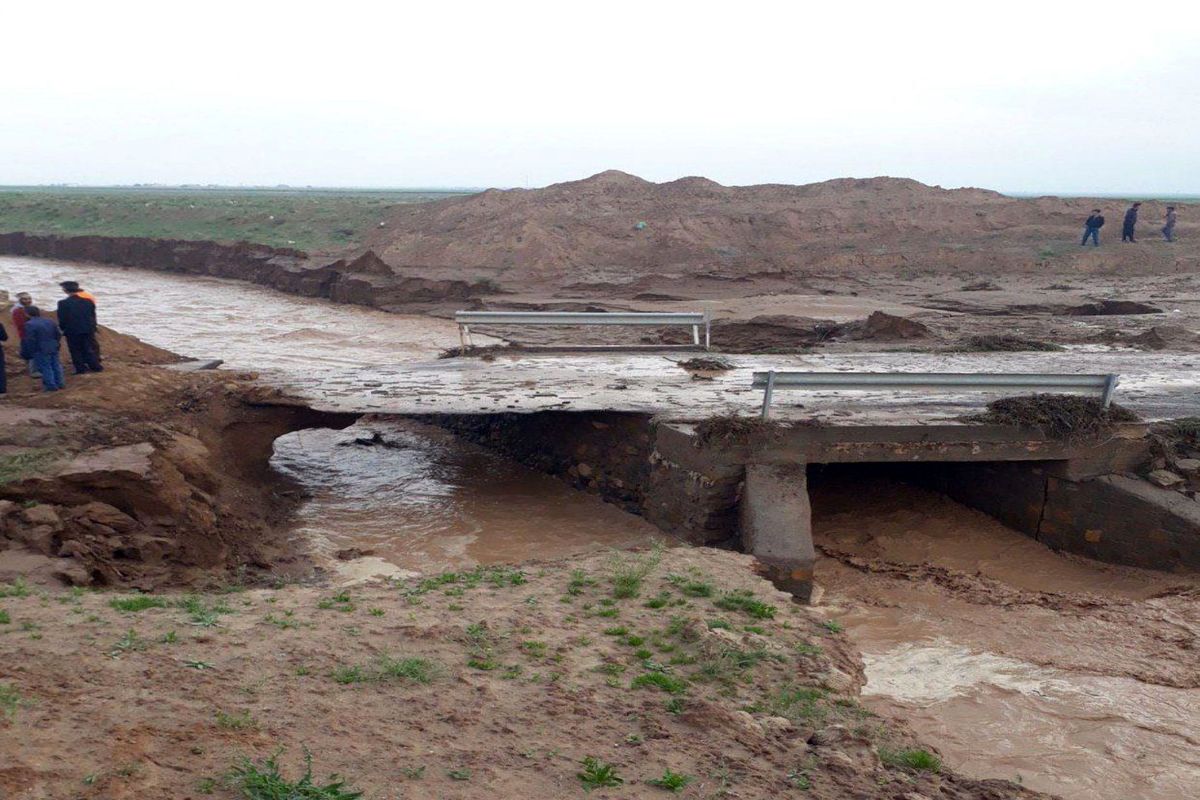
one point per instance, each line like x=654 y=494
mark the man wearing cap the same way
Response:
x=20 y=315
x=77 y=319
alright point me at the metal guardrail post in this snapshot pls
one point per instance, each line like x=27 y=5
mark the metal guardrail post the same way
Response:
x=1110 y=386
x=707 y=330
x=766 y=406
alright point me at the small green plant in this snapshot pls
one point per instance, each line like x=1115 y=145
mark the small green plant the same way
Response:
x=459 y=774
x=206 y=785
x=339 y=602
x=671 y=781
x=806 y=649
x=416 y=670
x=239 y=721
x=832 y=625
x=18 y=588
x=659 y=680
x=414 y=773
x=660 y=600
x=617 y=630
x=579 y=582
x=746 y=602
x=137 y=602
x=201 y=614
x=10 y=700
x=797 y=703
x=690 y=586
x=349 y=674
x=921 y=760
x=799 y=779
x=5 y=619
x=628 y=572
x=598 y=775
x=376 y=612
x=196 y=664
x=169 y=637
x=128 y=643
x=265 y=782
x=674 y=706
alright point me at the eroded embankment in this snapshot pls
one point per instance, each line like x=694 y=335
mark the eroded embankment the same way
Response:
x=144 y=476
x=365 y=280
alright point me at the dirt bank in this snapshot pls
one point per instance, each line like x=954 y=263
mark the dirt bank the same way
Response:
x=142 y=475
x=492 y=683
x=363 y=280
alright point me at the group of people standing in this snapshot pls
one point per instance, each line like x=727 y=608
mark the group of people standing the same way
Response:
x=41 y=337
x=1091 y=228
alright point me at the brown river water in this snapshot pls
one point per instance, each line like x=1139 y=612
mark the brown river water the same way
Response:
x=1073 y=677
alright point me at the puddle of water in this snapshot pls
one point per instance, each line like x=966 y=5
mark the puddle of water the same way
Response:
x=428 y=501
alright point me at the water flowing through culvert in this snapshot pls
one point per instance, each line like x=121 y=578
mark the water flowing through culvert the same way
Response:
x=1014 y=661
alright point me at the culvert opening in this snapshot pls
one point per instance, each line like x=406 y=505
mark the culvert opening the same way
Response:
x=394 y=494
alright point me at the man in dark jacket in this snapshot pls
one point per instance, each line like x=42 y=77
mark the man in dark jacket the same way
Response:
x=77 y=318
x=41 y=344
x=1130 y=223
x=3 y=377
x=1091 y=228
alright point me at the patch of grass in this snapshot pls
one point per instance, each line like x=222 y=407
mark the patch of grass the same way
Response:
x=414 y=670
x=617 y=630
x=128 y=643
x=459 y=774
x=671 y=781
x=806 y=649
x=832 y=625
x=692 y=587
x=339 y=602
x=659 y=680
x=5 y=619
x=286 y=622
x=240 y=721
x=10 y=700
x=579 y=582
x=170 y=637
x=920 y=760
x=660 y=600
x=797 y=703
x=265 y=782
x=137 y=602
x=596 y=774
x=746 y=602
x=19 y=466
x=18 y=588
x=674 y=706
x=628 y=572
x=202 y=614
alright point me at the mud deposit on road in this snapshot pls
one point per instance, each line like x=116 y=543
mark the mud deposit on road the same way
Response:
x=1071 y=676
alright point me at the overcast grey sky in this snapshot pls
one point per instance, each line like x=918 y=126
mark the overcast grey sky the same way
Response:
x=1018 y=96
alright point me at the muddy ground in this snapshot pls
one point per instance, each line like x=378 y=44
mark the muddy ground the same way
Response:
x=493 y=683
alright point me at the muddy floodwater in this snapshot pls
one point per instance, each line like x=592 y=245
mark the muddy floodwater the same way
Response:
x=1070 y=676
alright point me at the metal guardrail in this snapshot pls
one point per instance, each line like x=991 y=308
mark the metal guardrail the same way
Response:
x=466 y=319
x=1102 y=385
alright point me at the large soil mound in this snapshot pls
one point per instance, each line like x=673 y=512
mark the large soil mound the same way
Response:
x=617 y=227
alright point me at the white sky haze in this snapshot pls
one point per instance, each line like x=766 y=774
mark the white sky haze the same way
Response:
x=1018 y=96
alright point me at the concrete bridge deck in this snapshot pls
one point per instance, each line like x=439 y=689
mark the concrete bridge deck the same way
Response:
x=1156 y=385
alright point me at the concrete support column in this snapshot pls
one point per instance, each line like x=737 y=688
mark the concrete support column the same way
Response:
x=776 y=524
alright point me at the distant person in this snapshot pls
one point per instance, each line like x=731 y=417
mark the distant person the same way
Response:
x=1130 y=223
x=20 y=316
x=42 y=342
x=1091 y=228
x=1169 y=229
x=3 y=376
x=77 y=318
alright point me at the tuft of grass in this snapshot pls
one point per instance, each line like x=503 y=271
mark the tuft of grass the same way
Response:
x=671 y=781
x=459 y=774
x=832 y=625
x=415 y=670
x=128 y=643
x=921 y=760
x=137 y=602
x=659 y=680
x=20 y=466
x=596 y=774
x=18 y=588
x=240 y=721
x=339 y=602
x=265 y=782
x=628 y=572
x=5 y=619
x=797 y=703
x=746 y=602
x=691 y=586
x=10 y=700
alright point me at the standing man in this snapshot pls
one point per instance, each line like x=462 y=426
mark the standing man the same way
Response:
x=1091 y=228
x=41 y=344
x=1169 y=228
x=77 y=318
x=20 y=315
x=1130 y=223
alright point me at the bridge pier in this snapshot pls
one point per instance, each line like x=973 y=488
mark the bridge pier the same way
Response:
x=776 y=525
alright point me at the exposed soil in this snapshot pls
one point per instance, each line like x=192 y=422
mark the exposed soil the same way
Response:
x=1057 y=415
x=496 y=683
x=142 y=475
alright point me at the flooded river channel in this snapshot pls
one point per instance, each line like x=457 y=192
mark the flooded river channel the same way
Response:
x=1073 y=677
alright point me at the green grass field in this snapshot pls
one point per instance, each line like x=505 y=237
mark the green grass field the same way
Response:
x=314 y=220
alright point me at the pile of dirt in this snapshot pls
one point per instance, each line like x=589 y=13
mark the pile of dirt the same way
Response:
x=727 y=429
x=1060 y=416
x=1166 y=337
x=884 y=327
x=706 y=364
x=1112 y=308
x=768 y=333
x=1005 y=343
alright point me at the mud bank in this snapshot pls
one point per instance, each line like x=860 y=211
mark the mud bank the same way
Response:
x=144 y=476
x=365 y=280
